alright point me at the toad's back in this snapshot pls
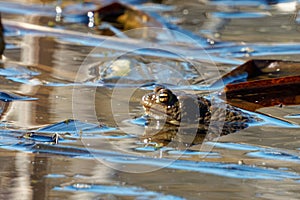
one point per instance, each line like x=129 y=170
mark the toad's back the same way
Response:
x=187 y=109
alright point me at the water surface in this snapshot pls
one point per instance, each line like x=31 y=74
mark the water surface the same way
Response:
x=57 y=71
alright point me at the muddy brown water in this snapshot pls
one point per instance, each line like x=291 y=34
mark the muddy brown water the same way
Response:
x=72 y=77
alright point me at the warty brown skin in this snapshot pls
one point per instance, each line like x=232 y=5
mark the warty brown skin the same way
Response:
x=162 y=104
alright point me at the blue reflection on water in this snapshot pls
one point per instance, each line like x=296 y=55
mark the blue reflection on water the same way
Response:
x=75 y=127
x=239 y=15
x=221 y=169
x=234 y=146
x=55 y=176
x=293 y=116
x=195 y=153
x=275 y=155
x=8 y=97
x=116 y=190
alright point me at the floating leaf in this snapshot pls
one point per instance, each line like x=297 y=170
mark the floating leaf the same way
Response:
x=262 y=83
x=264 y=93
x=126 y=17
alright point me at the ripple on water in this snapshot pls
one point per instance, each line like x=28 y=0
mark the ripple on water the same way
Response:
x=293 y=116
x=239 y=2
x=62 y=132
x=115 y=190
x=17 y=71
x=234 y=146
x=8 y=97
x=195 y=153
x=55 y=176
x=239 y=15
x=140 y=121
x=38 y=144
x=230 y=170
x=75 y=128
x=275 y=155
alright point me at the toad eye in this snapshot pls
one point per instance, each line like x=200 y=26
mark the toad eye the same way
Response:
x=163 y=97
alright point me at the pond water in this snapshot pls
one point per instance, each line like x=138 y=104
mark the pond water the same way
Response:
x=70 y=108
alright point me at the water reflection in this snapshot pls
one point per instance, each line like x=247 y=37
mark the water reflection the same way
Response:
x=51 y=62
x=18 y=185
x=43 y=63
